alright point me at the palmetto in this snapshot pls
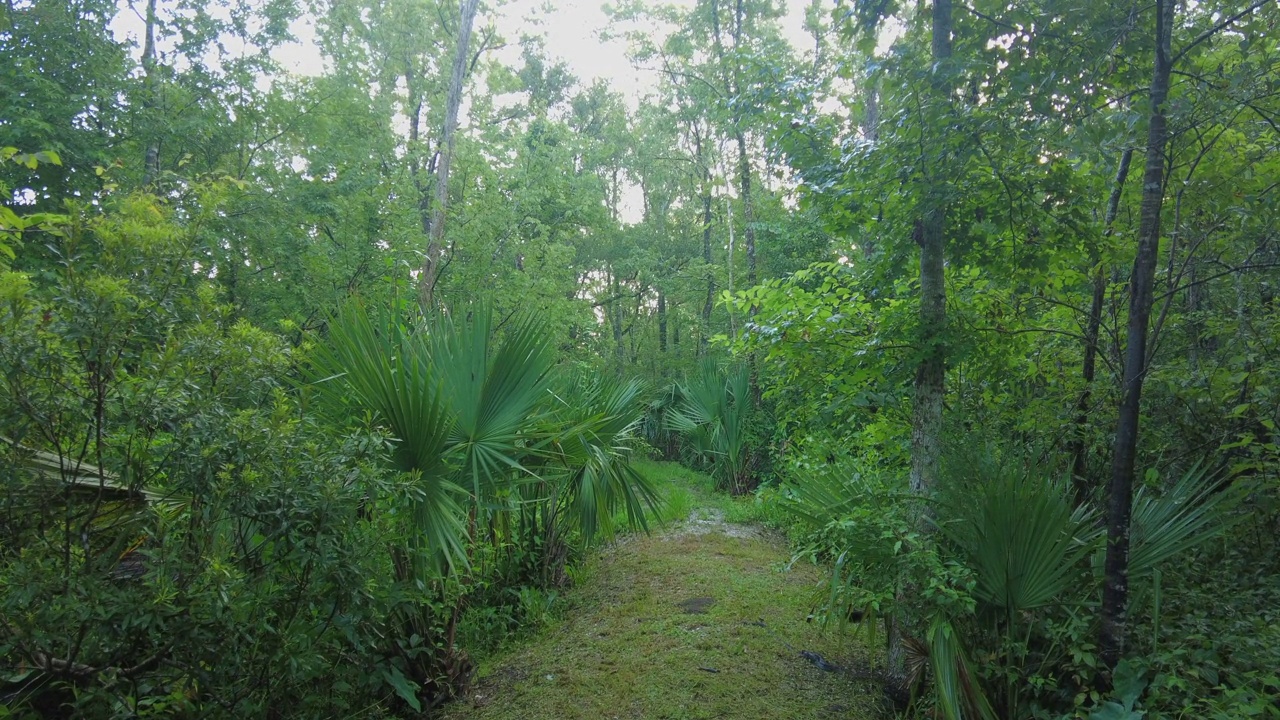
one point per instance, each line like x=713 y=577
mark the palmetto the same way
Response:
x=712 y=415
x=1028 y=548
x=486 y=426
x=491 y=453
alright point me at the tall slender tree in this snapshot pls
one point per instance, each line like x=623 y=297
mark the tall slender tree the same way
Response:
x=930 y=386
x=440 y=204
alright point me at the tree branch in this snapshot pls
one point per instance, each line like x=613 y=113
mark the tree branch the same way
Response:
x=1222 y=25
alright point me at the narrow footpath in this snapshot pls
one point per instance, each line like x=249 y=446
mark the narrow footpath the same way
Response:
x=700 y=619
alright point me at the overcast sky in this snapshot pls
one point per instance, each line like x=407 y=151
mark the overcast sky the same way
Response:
x=571 y=28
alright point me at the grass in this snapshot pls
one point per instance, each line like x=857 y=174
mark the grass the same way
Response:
x=696 y=620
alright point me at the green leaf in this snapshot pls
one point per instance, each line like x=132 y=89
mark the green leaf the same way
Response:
x=404 y=687
x=1115 y=711
x=1128 y=682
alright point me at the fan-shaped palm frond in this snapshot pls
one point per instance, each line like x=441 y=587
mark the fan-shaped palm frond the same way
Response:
x=1194 y=509
x=713 y=417
x=387 y=369
x=597 y=417
x=492 y=390
x=1020 y=532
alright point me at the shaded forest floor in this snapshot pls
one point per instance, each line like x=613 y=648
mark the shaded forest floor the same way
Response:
x=700 y=619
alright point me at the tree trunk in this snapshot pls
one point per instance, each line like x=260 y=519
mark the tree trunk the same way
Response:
x=662 y=322
x=926 y=411
x=151 y=161
x=709 y=305
x=435 y=243
x=614 y=310
x=744 y=189
x=748 y=210
x=1115 y=589
x=744 y=160
x=1079 y=448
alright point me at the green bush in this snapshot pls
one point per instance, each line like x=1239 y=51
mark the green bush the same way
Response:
x=1003 y=568
x=177 y=537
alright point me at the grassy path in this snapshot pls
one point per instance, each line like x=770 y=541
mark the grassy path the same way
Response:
x=697 y=620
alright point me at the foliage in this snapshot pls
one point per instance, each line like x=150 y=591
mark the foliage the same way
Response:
x=714 y=416
x=494 y=458
x=225 y=420
x=246 y=578
x=1006 y=576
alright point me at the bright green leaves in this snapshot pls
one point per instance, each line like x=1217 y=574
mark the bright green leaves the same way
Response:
x=13 y=225
x=31 y=161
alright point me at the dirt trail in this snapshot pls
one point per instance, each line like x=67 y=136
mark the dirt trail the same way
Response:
x=698 y=621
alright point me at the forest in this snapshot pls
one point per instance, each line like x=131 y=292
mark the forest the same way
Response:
x=324 y=382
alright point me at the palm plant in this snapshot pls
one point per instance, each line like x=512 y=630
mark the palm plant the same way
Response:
x=386 y=368
x=459 y=409
x=713 y=416
x=486 y=446
x=586 y=479
x=600 y=417
x=1008 y=531
x=1026 y=542
x=1193 y=509
x=1019 y=531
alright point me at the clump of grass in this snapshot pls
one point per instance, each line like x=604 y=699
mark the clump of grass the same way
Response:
x=765 y=508
x=679 y=502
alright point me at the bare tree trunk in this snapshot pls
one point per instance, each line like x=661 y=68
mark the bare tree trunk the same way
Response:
x=926 y=411
x=748 y=209
x=662 y=322
x=614 y=311
x=1115 y=589
x=709 y=305
x=151 y=161
x=744 y=189
x=435 y=243
x=1080 y=449
x=870 y=124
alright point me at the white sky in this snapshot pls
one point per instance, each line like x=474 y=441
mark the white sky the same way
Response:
x=571 y=28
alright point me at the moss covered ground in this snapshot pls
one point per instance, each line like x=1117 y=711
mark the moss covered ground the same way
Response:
x=702 y=618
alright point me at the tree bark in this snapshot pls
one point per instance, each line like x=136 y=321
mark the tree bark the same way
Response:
x=151 y=160
x=1115 y=589
x=748 y=209
x=614 y=310
x=435 y=242
x=744 y=189
x=662 y=322
x=926 y=411
x=1079 y=448
x=709 y=304
x=744 y=160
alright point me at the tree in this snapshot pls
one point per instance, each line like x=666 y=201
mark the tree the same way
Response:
x=930 y=234
x=1141 y=299
x=439 y=208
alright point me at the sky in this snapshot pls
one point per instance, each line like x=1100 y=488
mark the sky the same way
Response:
x=571 y=28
